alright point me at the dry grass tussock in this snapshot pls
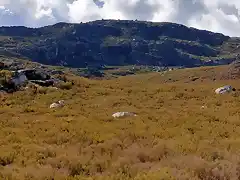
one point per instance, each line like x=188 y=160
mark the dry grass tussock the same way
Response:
x=171 y=138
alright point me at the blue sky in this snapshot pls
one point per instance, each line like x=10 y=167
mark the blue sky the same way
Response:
x=215 y=15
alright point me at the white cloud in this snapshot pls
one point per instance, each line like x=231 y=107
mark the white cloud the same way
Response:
x=83 y=10
x=216 y=20
x=215 y=15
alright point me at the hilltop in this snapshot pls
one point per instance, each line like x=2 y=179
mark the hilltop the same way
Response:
x=118 y=43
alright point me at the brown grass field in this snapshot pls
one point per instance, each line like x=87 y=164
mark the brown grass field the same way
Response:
x=171 y=138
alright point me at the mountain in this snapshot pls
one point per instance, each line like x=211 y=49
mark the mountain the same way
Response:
x=118 y=43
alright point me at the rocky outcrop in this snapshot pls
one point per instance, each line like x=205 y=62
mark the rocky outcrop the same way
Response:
x=33 y=74
x=11 y=81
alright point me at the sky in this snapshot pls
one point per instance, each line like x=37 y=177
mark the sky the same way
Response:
x=215 y=15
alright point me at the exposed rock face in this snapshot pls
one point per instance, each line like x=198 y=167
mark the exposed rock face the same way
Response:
x=113 y=42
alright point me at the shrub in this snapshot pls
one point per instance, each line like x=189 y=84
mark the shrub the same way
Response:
x=5 y=76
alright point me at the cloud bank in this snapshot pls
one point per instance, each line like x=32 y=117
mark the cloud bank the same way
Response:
x=214 y=15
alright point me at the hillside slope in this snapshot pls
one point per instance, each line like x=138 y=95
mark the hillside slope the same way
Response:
x=183 y=129
x=116 y=42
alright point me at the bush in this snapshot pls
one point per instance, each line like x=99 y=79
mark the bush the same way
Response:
x=5 y=76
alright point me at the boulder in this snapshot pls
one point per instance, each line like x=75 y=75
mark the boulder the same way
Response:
x=123 y=114
x=33 y=74
x=224 y=89
x=19 y=79
x=57 y=104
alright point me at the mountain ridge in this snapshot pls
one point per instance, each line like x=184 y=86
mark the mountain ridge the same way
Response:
x=118 y=42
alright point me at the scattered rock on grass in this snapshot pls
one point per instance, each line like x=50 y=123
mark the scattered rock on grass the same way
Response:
x=224 y=89
x=57 y=104
x=123 y=114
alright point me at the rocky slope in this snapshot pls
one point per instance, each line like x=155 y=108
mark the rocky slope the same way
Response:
x=115 y=42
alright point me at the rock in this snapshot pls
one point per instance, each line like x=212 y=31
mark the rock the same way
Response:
x=123 y=114
x=224 y=89
x=33 y=74
x=19 y=79
x=57 y=104
x=203 y=107
x=46 y=83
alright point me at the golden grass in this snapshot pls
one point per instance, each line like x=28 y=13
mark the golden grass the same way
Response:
x=172 y=137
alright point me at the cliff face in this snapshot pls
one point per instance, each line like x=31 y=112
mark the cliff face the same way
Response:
x=115 y=42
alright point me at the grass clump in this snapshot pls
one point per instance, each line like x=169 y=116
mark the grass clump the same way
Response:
x=65 y=85
x=5 y=76
x=7 y=158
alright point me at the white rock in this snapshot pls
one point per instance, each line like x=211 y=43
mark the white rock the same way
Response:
x=223 y=90
x=57 y=104
x=123 y=114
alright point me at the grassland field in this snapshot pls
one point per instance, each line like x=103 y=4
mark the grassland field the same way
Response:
x=183 y=129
